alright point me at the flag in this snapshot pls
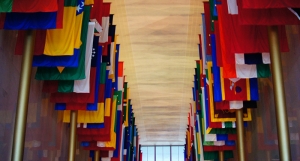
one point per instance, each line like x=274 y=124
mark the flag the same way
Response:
x=97 y=11
x=28 y=6
x=77 y=97
x=253 y=58
x=85 y=116
x=265 y=4
x=67 y=61
x=94 y=92
x=40 y=39
x=63 y=41
x=246 y=46
x=78 y=86
x=208 y=107
x=227 y=105
x=51 y=73
x=99 y=132
x=54 y=61
x=213 y=12
x=246 y=65
x=266 y=16
x=105 y=23
x=92 y=51
x=32 y=15
x=244 y=38
x=207 y=27
x=89 y=2
x=111 y=145
x=119 y=134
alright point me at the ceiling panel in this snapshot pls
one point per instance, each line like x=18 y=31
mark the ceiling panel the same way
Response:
x=159 y=47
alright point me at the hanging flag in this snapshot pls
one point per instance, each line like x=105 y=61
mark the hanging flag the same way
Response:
x=92 y=51
x=40 y=39
x=54 y=61
x=84 y=116
x=252 y=67
x=111 y=145
x=49 y=73
x=77 y=97
x=243 y=38
x=97 y=11
x=265 y=4
x=79 y=86
x=228 y=105
x=96 y=16
x=105 y=23
x=228 y=50
x=97 y=132
x=28 y=6
x=89 y=2
x=266 y=16
x=63 y=41
x=207 y=27
x=94 y=92
x=32 y=15
x=213 y=12
x=253 y=58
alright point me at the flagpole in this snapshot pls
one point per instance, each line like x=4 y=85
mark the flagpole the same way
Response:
x=240 y=134
x=97 y=155
x=23 y=96
x=72 y=139
x=221 y=155
x=268 y=155
x=279 y=96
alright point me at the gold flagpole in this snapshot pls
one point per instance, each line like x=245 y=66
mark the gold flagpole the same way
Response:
x=221 y=155
x=279 y=96
x=72 y=139
x=240 y=134
x=23 y=96
x=97 y=155
x=268 y=155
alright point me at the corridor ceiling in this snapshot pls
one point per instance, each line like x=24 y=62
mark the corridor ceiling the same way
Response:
x=159 y=47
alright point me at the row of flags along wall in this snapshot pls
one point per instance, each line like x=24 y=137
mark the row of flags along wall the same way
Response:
x=77 y=56
x=233 y=55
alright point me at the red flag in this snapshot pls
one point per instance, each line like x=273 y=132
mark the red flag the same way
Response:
x=40 y=39
x=95 y=14
x=207 y=27
x=263 y=4
x=218 y=148
x=106 y=9
x=34 y=6
x=50 y=86
x=269 y=16
x=105 y=46
x=218 y=44
x=235 y=91
x=237 y=38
